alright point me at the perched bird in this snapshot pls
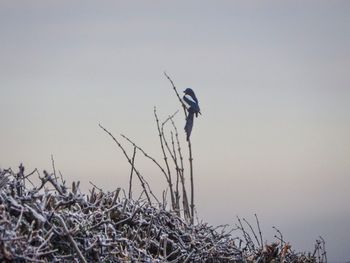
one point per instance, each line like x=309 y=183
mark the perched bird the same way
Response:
x=191 y=99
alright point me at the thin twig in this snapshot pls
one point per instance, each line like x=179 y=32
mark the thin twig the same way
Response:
x=246 y=236
x=182 y=177
x=131 y=172
x=260 y=234
x=191 y=178
x=166 y=161
x=178 y=172
x=173 y=157
x=281 y=236
x=252 y=230
x=146 y=155
x=177 y=94
x=142 y=180
x=53 y=166
x=189 y=148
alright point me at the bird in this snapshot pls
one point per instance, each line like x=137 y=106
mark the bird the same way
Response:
x=191 y=99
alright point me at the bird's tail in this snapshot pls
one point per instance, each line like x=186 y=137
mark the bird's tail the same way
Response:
x=189 y=124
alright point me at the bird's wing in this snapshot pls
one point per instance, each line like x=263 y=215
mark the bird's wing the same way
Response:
x=189 y=100
x=192 y=103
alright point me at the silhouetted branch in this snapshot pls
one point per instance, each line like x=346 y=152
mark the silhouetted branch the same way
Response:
x=189 y=147
x=253 y=232
x=191 y=177
x=53 y=167
x=142 y=180
x=178 y=172
x=280 y=238
x=146 y=155
x=131 y=172
x=260 y=234
x=182 y=177
x=173 y=157
x=166 y=161
x=177 y=94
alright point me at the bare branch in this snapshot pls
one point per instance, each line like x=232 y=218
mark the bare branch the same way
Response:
x=132 y=171
x=142 y=180
x=166 y=161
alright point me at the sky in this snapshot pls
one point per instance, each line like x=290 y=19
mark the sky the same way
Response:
x=273 y=82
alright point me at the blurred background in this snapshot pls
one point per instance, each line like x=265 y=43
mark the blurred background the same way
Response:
x=272 y=78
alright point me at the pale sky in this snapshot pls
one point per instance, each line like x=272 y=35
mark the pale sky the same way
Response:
x=273 y=82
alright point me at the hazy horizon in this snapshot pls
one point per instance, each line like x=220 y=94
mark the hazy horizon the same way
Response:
x=271 y=77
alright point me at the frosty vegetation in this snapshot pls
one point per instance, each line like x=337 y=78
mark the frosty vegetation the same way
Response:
x=53 y=223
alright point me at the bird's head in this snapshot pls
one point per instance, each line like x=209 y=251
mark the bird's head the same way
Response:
x=189 y=91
